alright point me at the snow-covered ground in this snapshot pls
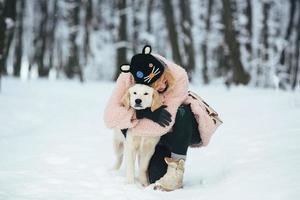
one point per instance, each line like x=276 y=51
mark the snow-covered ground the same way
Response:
x=53 y=145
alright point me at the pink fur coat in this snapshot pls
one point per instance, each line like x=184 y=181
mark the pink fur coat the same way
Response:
x=116 y=116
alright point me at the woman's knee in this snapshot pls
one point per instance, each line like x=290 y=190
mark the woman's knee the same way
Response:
x=184 y=115
x=186 y=126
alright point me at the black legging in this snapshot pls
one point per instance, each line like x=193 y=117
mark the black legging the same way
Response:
x=184 y=133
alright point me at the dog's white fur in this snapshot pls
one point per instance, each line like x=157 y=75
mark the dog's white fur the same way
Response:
x=137 y=146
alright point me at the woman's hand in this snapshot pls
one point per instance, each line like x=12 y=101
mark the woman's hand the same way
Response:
x=160 y=115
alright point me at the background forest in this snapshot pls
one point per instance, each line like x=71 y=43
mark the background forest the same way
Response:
x=251 y=42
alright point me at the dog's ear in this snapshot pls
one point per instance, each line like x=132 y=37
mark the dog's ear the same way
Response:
x=156 y=101
x=126 y=100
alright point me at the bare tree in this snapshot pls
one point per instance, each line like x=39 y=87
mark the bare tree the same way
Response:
x=7 y=21
x=2 y=37
x=19 y=38
x=136 y=25
x=172 y=31
x=265 y=37
x=289 y=28
x=51 y=38
x=87 y=28
x=149 y=12
x=73 y=65
x=239 y=75
x=2 y=28
x=249 y=28
x=122 y=36
x=204 y=46
x=295 y=80
x=188 y=41
x=40 y=37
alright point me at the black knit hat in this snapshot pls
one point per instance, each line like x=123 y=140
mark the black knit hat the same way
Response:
x=144 y=67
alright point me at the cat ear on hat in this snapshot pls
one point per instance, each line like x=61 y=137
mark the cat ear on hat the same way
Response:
x=125 y=68
x=147 y=49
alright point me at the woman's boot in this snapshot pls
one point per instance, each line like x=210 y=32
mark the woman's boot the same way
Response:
x=173 y=179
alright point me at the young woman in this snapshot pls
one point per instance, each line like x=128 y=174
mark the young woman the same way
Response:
x=183 y=121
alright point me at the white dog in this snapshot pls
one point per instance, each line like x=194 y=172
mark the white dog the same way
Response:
x=137 y=97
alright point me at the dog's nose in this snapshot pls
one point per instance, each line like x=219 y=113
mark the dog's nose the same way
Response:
x=138 y=101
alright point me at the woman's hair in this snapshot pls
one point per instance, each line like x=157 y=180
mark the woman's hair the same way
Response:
x=166 y=76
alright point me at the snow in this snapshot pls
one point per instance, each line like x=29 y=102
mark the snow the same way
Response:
x=54 y=145
x=9 y=23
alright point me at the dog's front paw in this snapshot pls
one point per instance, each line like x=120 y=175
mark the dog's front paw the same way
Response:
x=143 y=180
x=116 y=167
x=130 y=180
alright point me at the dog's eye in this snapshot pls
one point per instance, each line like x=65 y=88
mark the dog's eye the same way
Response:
x=134 y=92
x=146 y=93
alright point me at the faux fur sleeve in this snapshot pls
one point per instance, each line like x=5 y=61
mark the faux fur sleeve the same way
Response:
x=115 y=114
x=173 y=100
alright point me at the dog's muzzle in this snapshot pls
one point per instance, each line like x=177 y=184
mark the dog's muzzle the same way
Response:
x=138 y=103
x=138 y=106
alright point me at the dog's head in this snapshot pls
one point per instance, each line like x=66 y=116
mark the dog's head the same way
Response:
x=141 y=96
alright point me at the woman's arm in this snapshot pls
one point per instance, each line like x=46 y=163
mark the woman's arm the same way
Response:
x=115 y=114
x=173 y=100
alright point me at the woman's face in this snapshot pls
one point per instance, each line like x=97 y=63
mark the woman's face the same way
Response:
x=161 y=86
x=164 y=83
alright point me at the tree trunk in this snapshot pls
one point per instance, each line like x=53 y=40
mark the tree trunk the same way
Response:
x=136 y=7
x=188 y=41
x=249 y=28
x=297 y=52
x=172 y=32
x=51 y=39
x=2 y=37
x=73 y=66
x=19 y=39
x=43 y=39
x=289 y=29
x=239 y=75
x=265 y=31
x=149 y=12
x=122 y=36
x=40 y=39
x=8 y=12
x=87 y=27
x=204 y=45
x=2 y=30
